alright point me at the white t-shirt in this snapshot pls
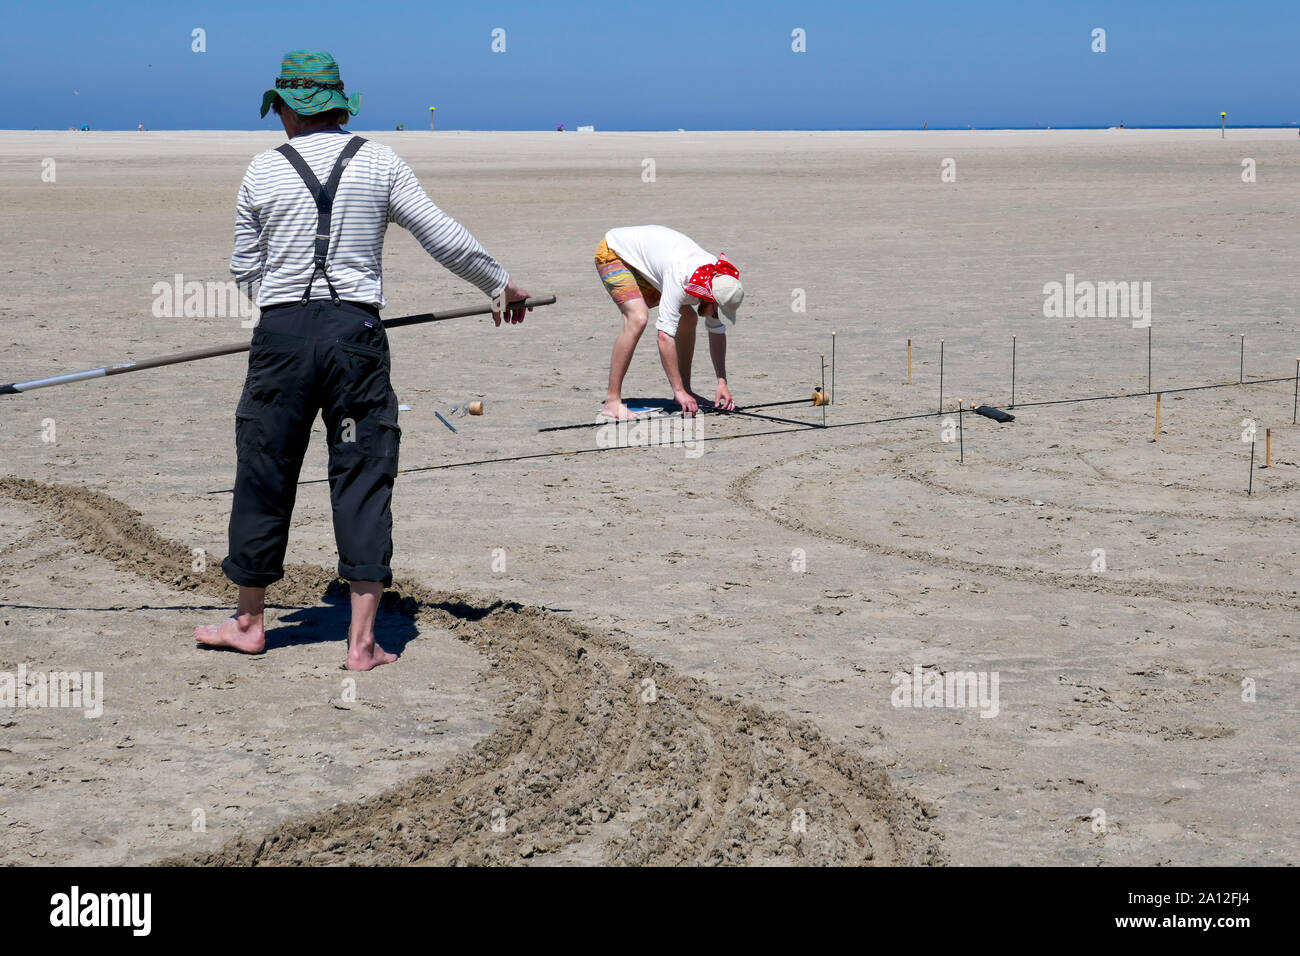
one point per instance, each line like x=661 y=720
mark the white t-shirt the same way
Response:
x=666 y=258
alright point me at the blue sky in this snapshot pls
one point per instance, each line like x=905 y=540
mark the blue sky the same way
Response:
x=722 y=65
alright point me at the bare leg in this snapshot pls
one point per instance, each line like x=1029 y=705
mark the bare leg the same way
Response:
x=244 y=631
x=363 y=653
x=635 y=316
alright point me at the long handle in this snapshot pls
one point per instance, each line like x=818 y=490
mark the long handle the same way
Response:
x=194 y=356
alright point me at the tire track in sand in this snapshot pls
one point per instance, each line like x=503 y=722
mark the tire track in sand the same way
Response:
x=580 y=760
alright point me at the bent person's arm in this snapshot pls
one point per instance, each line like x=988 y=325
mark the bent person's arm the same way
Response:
x=668 y=356
x=446 y=240
x=718 y=352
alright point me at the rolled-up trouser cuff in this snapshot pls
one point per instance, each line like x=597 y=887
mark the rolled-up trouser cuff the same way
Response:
x=366 y=572
x=250 y=579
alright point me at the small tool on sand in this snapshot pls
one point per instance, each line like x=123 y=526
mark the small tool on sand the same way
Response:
x=995 y=413
x=443 y=420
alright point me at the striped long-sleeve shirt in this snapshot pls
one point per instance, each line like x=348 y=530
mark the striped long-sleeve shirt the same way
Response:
x=275 y=226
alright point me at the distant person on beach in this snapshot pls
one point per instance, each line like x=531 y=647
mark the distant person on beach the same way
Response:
x=647 y=266
x=320 y=346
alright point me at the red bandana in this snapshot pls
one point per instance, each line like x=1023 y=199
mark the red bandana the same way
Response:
x=700 y=283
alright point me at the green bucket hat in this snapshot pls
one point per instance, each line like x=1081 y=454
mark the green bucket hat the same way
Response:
x=309 y=83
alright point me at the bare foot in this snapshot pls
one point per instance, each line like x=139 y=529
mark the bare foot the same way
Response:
x=368 y=656
x=244 y=633
x=616 y=411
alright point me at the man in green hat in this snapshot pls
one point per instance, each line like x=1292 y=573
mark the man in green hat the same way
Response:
x=310 y=229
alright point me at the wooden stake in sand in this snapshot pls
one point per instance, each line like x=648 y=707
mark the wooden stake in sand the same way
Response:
x=832 y=368
x=1148 y=360
x=1157 y=416
x=1013 y=372
x=1295 y=400
x=1241 y=369
x=909 y=362
x=961 y=437
x=1268 y=447
x=941 y=376
x=823 y=389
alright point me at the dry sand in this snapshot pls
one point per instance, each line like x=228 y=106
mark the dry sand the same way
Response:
x=516 y=727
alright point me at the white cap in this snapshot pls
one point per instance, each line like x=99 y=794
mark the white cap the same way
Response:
x=728 y=293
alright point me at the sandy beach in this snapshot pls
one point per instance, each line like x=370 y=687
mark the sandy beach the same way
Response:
x=683 y=655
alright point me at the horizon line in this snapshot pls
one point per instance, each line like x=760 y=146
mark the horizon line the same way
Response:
x=665 y=129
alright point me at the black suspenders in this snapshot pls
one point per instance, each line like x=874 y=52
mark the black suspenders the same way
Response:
x=324 y=196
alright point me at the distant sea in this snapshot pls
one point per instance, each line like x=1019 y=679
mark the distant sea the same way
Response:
x=763 y=129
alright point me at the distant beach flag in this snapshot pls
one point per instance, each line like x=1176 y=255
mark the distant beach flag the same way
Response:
x=431 y=109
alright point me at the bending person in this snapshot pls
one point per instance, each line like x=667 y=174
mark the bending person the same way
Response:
x=647 y=266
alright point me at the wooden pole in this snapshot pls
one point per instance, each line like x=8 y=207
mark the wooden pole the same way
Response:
x=15 y=388
x=1241 y=369
x=1157 y=416
x=1268 y=447
x=909 y=362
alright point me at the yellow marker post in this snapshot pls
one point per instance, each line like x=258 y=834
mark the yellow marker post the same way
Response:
x=431 y=109
x=1223 y=125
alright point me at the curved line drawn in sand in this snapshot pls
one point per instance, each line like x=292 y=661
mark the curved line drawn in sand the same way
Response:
x=930 y=480
x=581 y=768
x=740 y=491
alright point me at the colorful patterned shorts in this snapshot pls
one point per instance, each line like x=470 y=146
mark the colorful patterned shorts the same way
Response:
x=622 y=282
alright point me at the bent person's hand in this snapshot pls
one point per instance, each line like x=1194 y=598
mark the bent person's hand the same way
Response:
x=725 y=402
x=511 y=293
x=688 y=403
